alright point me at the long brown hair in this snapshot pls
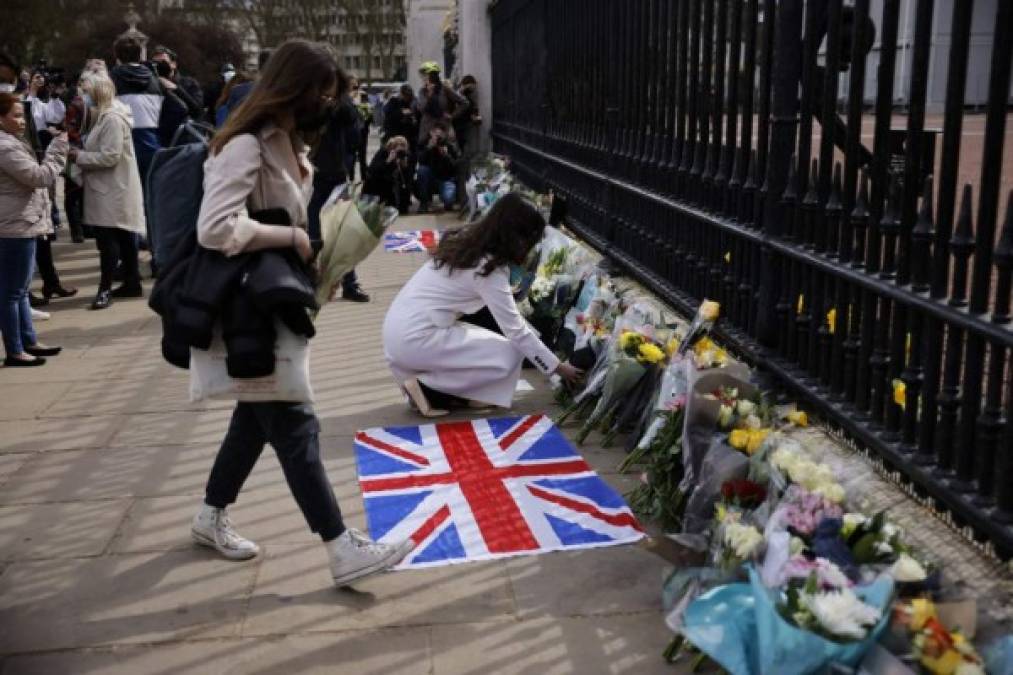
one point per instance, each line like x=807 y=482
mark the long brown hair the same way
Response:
x=297 y=70
x=505 y=236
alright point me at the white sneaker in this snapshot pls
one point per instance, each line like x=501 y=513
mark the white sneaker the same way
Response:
x=211 y=527
x=354 y=556
x=38 y=315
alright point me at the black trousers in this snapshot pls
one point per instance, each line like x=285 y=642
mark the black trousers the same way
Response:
x=44 y=263
x=293 y=431
x=73 y=204
x=114 y=245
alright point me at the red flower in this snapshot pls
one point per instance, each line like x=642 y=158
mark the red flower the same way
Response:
x=743 y=492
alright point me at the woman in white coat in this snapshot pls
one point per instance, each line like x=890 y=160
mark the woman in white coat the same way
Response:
x=113 y=201
x=437 y=358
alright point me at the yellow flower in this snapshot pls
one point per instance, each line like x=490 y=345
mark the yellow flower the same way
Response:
x=739 y=439
x=722 y=512
x=832 y=320
x=756 y=439
x=899 y=393
x=672 y=347
x=630 y=339
x=710 y=310
x=799 y=418
x=922 y=609
x=801 y=303
x=728 y=256
x=651 y=353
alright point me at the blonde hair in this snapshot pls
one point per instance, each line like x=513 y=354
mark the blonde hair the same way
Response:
x=101 y=89
x=394 y=141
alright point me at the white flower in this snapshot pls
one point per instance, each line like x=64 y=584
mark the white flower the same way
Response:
x=745 y=407
x=541 y=288
x=753 y=422
x=852 y=521
x=889 y=531
x=724 y=416
x=883 y=548
x=743 y=539
x=842 y=613
x=831 y=575
x=907 y=569
x=832 y=492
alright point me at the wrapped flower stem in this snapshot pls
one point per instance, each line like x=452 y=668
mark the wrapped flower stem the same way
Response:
x=702 y=323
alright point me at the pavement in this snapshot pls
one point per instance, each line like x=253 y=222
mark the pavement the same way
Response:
x=103 y=461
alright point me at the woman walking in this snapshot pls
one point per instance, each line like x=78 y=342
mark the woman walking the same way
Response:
x=24 y=216
x=258 y=163
x=439 y=359
x=113 y=201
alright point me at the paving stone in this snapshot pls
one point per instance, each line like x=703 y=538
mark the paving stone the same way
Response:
x=612 y=579
x=59 y=530
x=172 y=428
x=32 y=398
x=10 y=463
x=60 y=604
x=80 y=432
x=390 y=651
x=133 y=394
x=555 y=646
x=294 y=590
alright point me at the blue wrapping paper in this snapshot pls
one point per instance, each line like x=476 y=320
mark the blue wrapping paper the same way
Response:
x=739 y=627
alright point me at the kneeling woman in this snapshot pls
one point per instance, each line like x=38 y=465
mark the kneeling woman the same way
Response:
x=438 y=358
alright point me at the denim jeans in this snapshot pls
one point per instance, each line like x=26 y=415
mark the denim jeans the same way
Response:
x=293 y=431
x=430 y=185
x=17 y=262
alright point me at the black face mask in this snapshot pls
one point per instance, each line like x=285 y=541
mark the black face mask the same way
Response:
x=311 y=117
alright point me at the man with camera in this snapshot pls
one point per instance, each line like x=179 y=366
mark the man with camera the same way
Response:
x=389 y=176
x=182 y=86
x=399 y=117
x=437 y=170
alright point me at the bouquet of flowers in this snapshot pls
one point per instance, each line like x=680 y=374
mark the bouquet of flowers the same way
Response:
x=936 y=648
x=701 y=325
x=350 y=230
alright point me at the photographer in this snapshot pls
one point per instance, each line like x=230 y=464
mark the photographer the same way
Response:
x=185 y=88
x=438 y=168
x=390 y=175
x=437 y=102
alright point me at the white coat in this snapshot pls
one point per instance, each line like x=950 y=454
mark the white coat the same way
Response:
x=112 y=183
x=422 y=337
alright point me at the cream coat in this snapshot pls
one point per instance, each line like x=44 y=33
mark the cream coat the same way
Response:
x=112 y=183
x=24 y=183
x=269 y=170
x=423 y=338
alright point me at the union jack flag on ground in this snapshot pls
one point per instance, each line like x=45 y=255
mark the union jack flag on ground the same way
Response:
x=483 y=489
x=410 y=242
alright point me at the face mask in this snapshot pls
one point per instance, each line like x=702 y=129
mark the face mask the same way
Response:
x=6 y=88
x=311 y=118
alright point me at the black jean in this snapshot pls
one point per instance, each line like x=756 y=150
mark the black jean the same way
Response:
x=44 y=263
x=293 y=431
x=114 y=245
x=323 y=186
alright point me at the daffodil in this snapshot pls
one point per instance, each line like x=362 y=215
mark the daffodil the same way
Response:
x=756 y=439
x=710 y=310
x=832 y=320
x=629 y=339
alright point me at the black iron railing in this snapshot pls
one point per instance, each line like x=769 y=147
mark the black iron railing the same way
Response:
x=702 y=144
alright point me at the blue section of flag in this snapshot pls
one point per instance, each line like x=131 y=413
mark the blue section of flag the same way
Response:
x=446 y=546
x=383 y=513
x=410 y=434
x=553 y=445
x=570 y=533
x=373 y=463
x=501 y=426
x=589 y=487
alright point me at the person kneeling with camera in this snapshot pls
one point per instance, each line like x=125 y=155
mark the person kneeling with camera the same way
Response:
x=438 y=168
x=390 y=175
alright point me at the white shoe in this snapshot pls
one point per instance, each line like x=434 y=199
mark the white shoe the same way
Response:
x=39 y=315
x=354 y=556
x=211 y=527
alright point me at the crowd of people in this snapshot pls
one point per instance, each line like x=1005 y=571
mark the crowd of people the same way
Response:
x=98 y=130
x=286 y=140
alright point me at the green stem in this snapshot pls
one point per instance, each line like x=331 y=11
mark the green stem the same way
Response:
x=697 y=662
x=673 y=648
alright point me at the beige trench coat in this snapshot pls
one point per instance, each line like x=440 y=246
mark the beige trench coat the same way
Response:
x=112 y=183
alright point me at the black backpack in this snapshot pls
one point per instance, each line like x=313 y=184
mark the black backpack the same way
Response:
x=175 y=184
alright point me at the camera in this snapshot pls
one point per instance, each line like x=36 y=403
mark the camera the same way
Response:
x=161 y=68
x=402 y=154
